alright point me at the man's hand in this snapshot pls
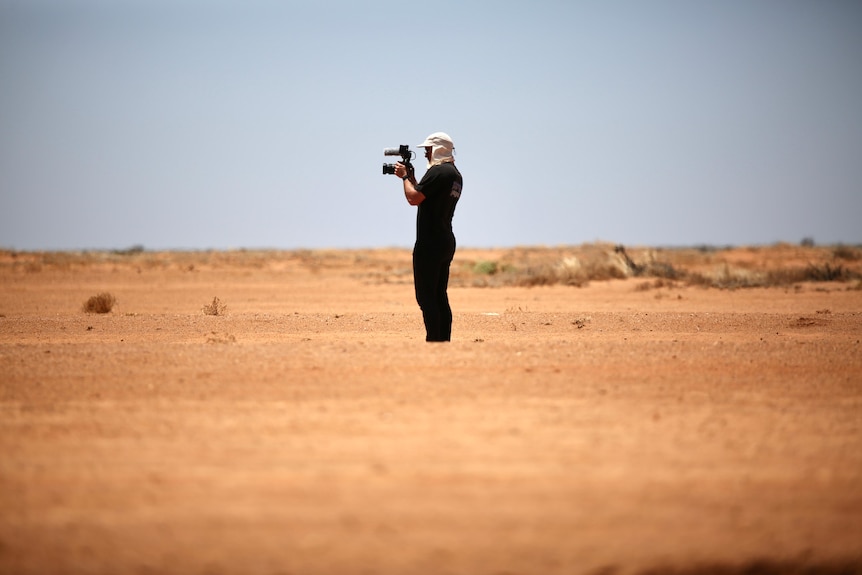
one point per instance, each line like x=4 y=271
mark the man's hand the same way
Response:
x=414 y=198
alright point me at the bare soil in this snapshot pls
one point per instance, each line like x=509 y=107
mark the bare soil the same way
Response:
x=305 y=427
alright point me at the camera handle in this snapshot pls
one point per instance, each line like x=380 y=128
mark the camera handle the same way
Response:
x=406 y=155
x=410 y=173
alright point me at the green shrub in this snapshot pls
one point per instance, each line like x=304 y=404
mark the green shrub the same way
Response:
x=486 y=267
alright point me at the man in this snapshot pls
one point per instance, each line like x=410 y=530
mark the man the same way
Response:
x=436 y=196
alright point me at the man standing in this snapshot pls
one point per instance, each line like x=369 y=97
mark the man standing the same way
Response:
x=436 y=196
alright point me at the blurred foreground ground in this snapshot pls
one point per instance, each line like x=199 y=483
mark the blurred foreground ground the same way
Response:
x=630 y=425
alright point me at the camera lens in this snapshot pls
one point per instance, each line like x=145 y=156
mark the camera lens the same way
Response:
x=388 y=168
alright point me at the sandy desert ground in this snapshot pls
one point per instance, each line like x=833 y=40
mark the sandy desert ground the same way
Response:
x=622 y=425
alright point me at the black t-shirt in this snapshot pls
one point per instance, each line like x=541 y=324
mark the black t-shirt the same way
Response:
x=441 y=186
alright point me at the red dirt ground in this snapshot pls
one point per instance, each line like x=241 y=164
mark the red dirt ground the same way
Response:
x=610 y=429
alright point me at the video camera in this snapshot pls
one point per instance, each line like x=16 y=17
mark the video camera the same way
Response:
x=406 y=155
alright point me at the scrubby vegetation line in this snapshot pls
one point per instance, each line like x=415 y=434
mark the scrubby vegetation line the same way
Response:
x=714 y=267
x=725 y=268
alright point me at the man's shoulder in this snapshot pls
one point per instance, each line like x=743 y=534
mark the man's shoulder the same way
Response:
x=447 y=168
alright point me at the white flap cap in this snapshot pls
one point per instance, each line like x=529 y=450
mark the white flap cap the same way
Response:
x=438 y=139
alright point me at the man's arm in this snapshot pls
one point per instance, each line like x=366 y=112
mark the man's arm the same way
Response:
x=414 y=197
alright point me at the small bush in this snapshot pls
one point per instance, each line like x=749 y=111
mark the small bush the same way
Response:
x=101 y=303
x=827 y=273
x=485 y=267
x=215 y=308
x=726 y=277
x=662 y=270
x=570 y=271
x=847 y=253
x=546 y=275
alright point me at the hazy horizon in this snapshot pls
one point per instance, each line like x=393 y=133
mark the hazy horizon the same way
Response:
x=140 y=248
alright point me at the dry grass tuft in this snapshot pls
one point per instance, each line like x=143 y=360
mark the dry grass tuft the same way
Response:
x=101 y=303
x=215 y=308
x=216 y=337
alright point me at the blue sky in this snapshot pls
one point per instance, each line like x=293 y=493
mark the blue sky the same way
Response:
x=192 y=124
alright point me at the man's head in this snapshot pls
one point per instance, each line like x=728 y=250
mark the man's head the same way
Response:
x=438 y=148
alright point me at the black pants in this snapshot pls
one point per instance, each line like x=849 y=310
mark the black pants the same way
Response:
x=431 y=280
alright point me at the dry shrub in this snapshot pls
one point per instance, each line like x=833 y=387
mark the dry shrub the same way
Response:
x=847 y=253
x=215 y=308
x=540 y=276
x=662 y=270
x=101 y=303
x=216 y=337
x=811 y=273
x=575 y=271
x=570 y=271
x=728 y=277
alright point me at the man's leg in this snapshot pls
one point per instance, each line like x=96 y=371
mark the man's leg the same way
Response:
x=444 y=309
x=426 y=273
